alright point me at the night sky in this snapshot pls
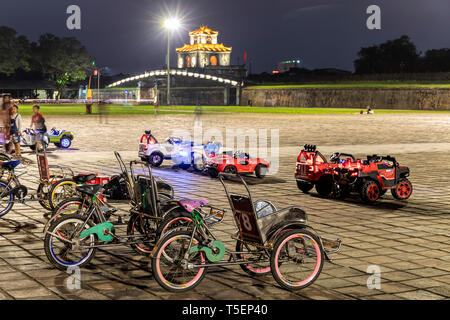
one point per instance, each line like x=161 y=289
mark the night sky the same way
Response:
x=126 y=36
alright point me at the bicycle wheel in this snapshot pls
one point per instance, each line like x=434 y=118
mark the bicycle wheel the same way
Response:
x=62 y=190
x=42 y=194
x=175 y=219
x=60 y=247
x=141 y=231
x=70 y=206
x=297 y=259
x=170 y=268
x=259 y=266
x=6 y=202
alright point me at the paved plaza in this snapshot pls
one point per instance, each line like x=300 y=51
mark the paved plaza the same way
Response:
x=409 y=241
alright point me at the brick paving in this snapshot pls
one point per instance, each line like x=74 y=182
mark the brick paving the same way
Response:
x=409 y=241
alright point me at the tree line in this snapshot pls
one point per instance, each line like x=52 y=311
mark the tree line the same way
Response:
x=60 y=60
x=399 y=56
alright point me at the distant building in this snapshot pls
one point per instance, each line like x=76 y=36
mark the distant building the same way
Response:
x=285 y=66
x=203 y=50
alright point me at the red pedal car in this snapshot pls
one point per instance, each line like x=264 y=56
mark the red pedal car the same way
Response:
x=370 y=178
x=236 y=162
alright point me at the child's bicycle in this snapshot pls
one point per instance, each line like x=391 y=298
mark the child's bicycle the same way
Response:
x=267 y=240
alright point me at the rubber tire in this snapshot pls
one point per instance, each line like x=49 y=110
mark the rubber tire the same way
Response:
x=305 y=187
x=130 y=232
x=65 y=201
x=282 y=237
x=324 y=186
x=47 y=242
x=156 y=163
x=231 y=168
x=261 y=171
x=43 y=201
x=239 y=248
x=364 y=189
x=169 y=217
x=5 y=183
x=65 y=137
x=394 y=191
x=169 y=236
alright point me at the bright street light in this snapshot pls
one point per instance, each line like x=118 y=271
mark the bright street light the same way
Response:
x=170 y=24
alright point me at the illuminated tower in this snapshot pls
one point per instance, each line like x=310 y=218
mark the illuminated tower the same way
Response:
x=203 y=50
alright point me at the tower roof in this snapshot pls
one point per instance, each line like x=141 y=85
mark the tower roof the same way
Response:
x=203 y=30
x=204 y=47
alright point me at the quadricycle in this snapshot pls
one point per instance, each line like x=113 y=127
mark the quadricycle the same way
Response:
x=267 y=241
x=82 y=225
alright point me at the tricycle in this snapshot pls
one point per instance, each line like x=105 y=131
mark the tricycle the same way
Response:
x=267 y=240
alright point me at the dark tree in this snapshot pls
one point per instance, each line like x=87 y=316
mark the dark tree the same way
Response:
x=62 y=60
x=15 y=52
x=394 y=56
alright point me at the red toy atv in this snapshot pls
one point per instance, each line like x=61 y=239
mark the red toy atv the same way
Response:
x=371 y=178
x=236 y=162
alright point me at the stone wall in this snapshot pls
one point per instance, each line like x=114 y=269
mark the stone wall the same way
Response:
x=395 y=98
x=194 y=96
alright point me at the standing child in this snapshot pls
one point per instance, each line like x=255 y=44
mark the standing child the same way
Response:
x=16 y=129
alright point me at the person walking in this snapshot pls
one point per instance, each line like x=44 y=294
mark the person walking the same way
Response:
x=16 y=129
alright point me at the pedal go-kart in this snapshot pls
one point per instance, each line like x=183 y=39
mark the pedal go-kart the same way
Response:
x=267 y=240
x=236 y=162
x=183 y=153
x=344 y=174
x=61 y=138
x=73 y=236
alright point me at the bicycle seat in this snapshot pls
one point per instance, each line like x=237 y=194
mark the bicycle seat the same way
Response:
x=83 y=178
x=89 y=189
x=191 y=205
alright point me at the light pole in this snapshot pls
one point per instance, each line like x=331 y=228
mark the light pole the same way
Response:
x=170 y=24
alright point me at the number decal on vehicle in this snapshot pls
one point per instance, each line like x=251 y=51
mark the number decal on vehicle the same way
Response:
x=246 y=222
x=249 y=229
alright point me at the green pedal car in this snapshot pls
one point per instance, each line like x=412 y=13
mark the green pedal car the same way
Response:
x=61 y=138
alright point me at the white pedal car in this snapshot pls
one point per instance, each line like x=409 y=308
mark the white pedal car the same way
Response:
x=183 y=153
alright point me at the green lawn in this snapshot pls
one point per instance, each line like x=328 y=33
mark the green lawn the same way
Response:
x=141 y=109
x=389 y=84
